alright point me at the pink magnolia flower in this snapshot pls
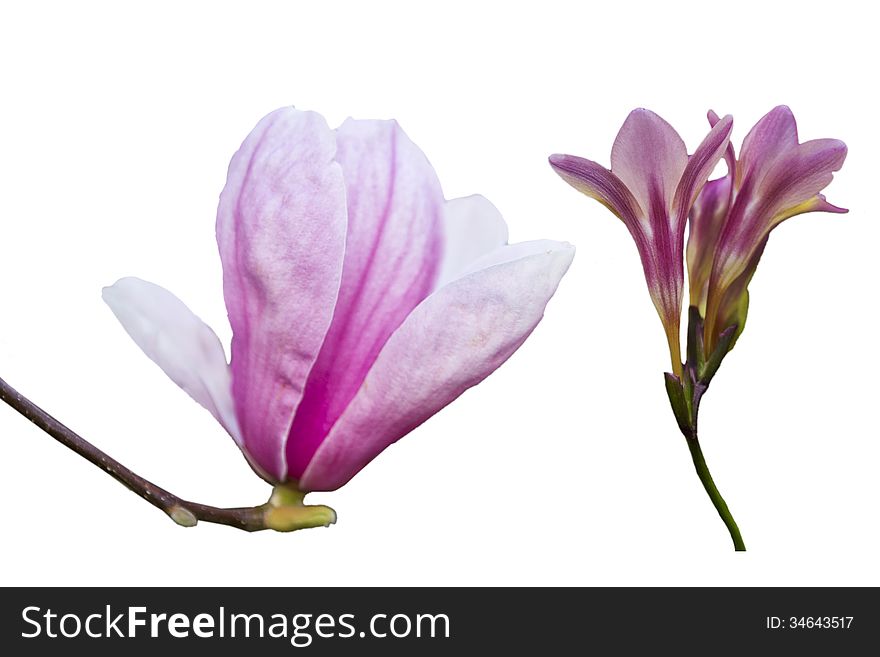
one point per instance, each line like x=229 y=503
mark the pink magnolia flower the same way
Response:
x=361 y=302
x=651 y=186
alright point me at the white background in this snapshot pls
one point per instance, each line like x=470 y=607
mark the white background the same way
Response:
x=565 y=467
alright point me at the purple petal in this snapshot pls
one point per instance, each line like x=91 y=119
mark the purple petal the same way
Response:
x=789 y=186
x=281 y=231
x=772 y=136
x=698 y=170
x=393 y=250
x=776 y=178
x=800 y=175
x=734 y=305
x=651 y=233
x=707 y=218
x=452 y=341
x=472 y=227
x=186 y=348
x=649 y=157
x=729 y=154
x=707 y=205
x=598 y=183
x=816 y=204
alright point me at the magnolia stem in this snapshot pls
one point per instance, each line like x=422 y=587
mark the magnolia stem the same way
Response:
x=272 y=515
x=714 y=495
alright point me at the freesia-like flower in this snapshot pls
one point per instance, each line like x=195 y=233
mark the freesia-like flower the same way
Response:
x=654 y=187
x=775 y=178
x=361 y=302
x=651 y=187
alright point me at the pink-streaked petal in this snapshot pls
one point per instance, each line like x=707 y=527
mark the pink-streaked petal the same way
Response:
x=729 y=159
x=816 y=204
x=451 y=342
x=472 y=227
x=281 y=231
x=510 y=252
x=770 y=138
x=729 y=153
x=800 y=175
x=788 y=188
x=707 y=218
x=649 y=157
x=393 y=251
x=732 y=304
x=706 y=204
x=661 y=258
x=776 y=178
x=598 y=183
x=698 y=170
x=180 y=343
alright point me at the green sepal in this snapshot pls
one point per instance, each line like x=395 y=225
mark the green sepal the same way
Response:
x=678 y=400
x=742 y=311
x=695 y=354
x=711 y=366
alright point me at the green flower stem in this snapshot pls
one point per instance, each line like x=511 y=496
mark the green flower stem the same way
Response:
x=714 y=495
x=283 y=512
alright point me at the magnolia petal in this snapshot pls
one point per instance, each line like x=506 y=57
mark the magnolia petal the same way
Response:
x=598 y=183
x=472 y=227
x=451 y=342
x=393 y=251
x=180 y=343
x=649 y=157
x=281 y=231
x=510 y=252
